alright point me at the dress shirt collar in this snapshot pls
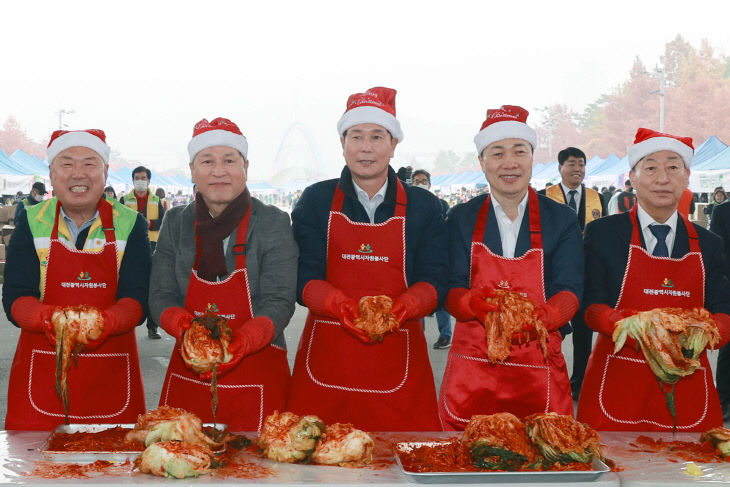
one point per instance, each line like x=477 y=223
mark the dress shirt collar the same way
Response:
x=73 y=230
x=645 y=220
x=566 y=191
x=509 y=229
x=370 y=204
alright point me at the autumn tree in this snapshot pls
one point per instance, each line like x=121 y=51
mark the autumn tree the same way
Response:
x=696 y=104
x=557 y=131
x=13 y=137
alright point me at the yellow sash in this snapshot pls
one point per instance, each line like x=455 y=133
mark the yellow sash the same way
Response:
x=592 y=198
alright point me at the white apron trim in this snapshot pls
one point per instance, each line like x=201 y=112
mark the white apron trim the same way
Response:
x=486 y=360
x=83 y=355
x=648 y=421
x=343 y=387
x=206 y=384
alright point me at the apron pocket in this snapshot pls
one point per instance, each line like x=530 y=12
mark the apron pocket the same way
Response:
x=104 y=379
x=630 y=393
x=474 y=385
x=337 y=360
x=241 y=406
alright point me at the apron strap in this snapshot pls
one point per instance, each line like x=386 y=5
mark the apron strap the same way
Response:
x=239 y=249
x=534 y=218
x=694 y=241
x=535 y=228
x=635 y=238
x=105 y=213
x=401 y=199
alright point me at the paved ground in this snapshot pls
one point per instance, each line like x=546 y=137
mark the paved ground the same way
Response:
x=155 y=355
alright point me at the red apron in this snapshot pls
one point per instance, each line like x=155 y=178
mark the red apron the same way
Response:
x=526 y=382
x=106 y=385
x=386 y=386
x=258 y=384
x=620 y=392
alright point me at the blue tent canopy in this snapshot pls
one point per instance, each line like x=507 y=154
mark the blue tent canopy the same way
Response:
x=593 y=163
x=261 y=186
x=9 y=166
x=708 y=149
x=613 y=165
x=721 y=160
x=550 y=171
x=31 y=164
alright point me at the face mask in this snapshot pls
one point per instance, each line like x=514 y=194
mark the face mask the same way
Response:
x=424 y=186
x=140 y=185
x=38 y=198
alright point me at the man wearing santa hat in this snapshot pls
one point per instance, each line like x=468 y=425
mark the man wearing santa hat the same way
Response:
x=650 y=257
x=77 y=249
x=229 y=254
x=515 y=240
x=367 y=234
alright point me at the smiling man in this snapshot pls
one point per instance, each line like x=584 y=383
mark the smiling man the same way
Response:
x=232 y=255
x=517 y=240
x=77 y=248
x=647 y=258
x=367 y=234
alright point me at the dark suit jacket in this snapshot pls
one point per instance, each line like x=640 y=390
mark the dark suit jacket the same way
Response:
x=607 y=243
x=720 y=224
x=561 y=242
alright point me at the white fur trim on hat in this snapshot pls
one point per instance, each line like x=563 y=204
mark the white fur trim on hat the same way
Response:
x=370 y=114
x=509 y=129
x=78 y=139
x=213 y=138
x=638 y=151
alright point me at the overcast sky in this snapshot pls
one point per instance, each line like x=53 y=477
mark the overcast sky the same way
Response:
x=145 y=72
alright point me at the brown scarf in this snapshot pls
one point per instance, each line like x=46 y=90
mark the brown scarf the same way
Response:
x=210 y=233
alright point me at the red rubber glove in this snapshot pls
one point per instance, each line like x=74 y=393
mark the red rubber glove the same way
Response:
x=469 y=304
x=175 y=321
x=416 y=302
x=723 y=325
x=558 y=310
x=121 y=317
x=31 y=314
x=602 y=318
x=250 y=337
x=323 y=298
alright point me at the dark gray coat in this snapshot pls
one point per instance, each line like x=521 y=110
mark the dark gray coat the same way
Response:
x=271 y=259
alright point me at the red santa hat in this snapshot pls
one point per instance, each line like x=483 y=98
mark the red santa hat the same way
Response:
x=377 y=105
x=220 y=131
x=93 y=139
x=649 y=141
x=506 y=122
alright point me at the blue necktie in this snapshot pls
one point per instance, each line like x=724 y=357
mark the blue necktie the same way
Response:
x=660 y=232
x=571 y=202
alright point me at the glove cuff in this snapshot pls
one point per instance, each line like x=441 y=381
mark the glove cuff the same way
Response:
x=322 y=298
x=602 y=318
x=560 y=308
x=722 y=321
x=171 y=318
x=425 y=299
x=28 y=312
x=125 y=315
x=457 y=304
x=255 y=334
